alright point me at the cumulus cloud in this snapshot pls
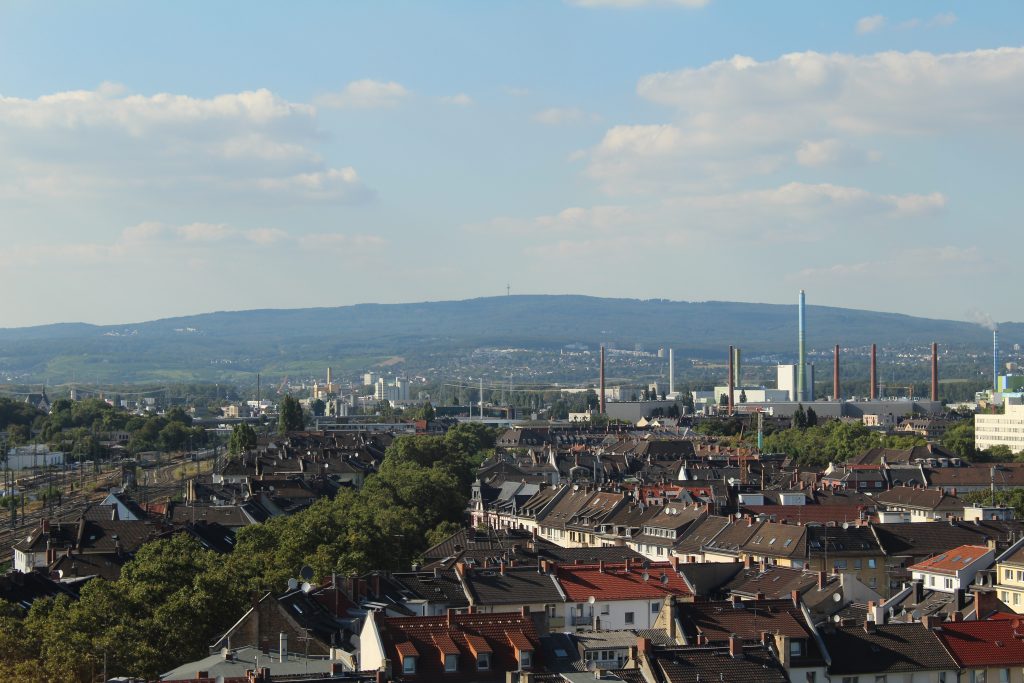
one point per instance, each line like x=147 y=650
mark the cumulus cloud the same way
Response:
x=742 y=117
x=459 y=100
x=555 y=116
x=334 y=184
x=870 y=24
x=93 y=143
x=365 y=94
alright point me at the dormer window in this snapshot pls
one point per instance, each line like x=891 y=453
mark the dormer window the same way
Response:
x=451 y=663
x=483 y=661
x=796 y=648
x=525 y=659
x=408 y=665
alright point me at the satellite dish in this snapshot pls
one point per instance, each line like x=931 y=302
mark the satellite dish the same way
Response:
x=306 y=586
x=664 y=579
x=306 y=572
x=836 y=618
x=846 y=525
x=647 y=576
x=836 y=597
x=646 y=564
x=292 y=584
x=591 y=599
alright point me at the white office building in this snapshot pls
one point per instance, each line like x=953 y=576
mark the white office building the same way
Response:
x=1002 y=430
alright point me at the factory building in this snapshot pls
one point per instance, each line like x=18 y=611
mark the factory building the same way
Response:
x=786 y=380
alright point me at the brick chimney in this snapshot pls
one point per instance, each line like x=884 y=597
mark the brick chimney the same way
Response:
x=735 y=646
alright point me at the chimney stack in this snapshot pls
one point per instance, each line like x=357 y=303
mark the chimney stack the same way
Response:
x=835 y=373
x=873 y=389
x=735 y=646
x=935 y=371
x=601 y=397
x=731 y=385
x=995 y=359
x=801 y=367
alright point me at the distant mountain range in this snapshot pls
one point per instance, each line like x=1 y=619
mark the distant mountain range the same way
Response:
x=235 y=345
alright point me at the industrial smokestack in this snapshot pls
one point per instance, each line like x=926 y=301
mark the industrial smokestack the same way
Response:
x=835 y=373
x=732 y=357
x=671 y=374
x=602 y=379
x=801 y=393
x=737 y=371
x=935 y=371
x=873 y=389
x=995 y=359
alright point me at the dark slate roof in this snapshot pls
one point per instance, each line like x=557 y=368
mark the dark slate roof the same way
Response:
x=24 y=589
x=891 y=648
x=773 y=581
x=707 y=578
x=517 y=586
x=441 y=586
x=79 y=566
x=700 y=534
x=690 y=665
x=841 y=542
x=923 y=539
x=924 y=499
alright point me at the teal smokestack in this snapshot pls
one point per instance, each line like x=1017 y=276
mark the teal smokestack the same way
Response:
x=801 y=389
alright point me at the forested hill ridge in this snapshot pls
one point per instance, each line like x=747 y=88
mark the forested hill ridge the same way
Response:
x=230 y=344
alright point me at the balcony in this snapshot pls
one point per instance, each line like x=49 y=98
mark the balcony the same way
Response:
x=578 y=620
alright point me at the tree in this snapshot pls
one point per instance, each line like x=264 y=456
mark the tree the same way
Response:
x=318 y=407
x=960 y=439
x=243 y=438
x=427 y=412
x=290 y=417
x=812 y=417
x=799 y=419
x=743 y=396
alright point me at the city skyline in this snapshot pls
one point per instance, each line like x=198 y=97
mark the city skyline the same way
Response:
x=171 y=161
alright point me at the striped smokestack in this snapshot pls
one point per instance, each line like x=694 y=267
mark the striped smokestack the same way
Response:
x=995 y=359
x=671 y=374
x=873 y=389
x=602 y=380
x=835 y=373
x=732 y=357
x=801 y=381
x=935 y=371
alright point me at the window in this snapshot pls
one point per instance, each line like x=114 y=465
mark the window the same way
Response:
x=796 y=648
x=880 y=679
x=655 y=607
x=1008 y=574
x=978 y=676
x=1004 y=676
x=1016 y=598
x=483 y=661
x=606 y=609
x=871 y=564
x=948 y=583
x=856 y=564
x=629 y=617
x=850 y=679
x=525 y=659
x=812 y=676
x=451 y=663
x=840 y=564
x=931 y=580
x=409 y=665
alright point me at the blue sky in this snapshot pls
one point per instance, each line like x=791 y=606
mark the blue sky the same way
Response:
x=161 y=159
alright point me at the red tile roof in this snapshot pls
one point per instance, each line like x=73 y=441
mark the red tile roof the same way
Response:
x=951 y=561
x=985 y=643
x=617 y=583
x=470 y=634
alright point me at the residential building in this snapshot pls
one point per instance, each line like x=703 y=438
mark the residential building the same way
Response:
x=954 y=569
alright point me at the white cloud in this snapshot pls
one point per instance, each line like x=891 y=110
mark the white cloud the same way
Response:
x=365 y=94
x=460 y=100
x=96 y=144
x=742 y=117
x=555 y=116
x=870 y=24
x=334 y=184
x=944 y=19
x=692 y=4
x=205 y=232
